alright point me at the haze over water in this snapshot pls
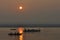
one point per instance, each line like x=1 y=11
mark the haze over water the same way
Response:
x=35 y=12
x=45 y=34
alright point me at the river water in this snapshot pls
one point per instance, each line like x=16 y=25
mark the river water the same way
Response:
x=48 y=33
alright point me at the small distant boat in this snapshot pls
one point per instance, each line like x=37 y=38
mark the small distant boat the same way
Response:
x=14 y=34
x=31 y=30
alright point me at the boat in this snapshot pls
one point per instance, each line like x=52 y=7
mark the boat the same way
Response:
x=31 y=30
x=11 y=34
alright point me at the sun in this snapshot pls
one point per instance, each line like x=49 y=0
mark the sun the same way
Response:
x=20 y=7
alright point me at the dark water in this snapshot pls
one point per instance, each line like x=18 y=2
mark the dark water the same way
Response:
x=45 y=34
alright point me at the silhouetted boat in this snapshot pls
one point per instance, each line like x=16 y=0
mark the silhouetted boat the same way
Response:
x=31 y=30
x=14 y=34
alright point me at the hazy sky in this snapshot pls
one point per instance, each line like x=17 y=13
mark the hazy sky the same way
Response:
x=35 y=12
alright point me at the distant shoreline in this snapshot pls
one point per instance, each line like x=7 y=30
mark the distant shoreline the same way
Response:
x=29 y=25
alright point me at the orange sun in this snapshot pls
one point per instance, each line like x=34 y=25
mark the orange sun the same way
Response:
x=20 y=7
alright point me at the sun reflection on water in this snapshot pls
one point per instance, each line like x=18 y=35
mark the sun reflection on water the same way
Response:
x=21 y=32
x=21 y=37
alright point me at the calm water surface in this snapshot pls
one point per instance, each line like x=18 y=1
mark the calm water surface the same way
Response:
x=45 y=34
